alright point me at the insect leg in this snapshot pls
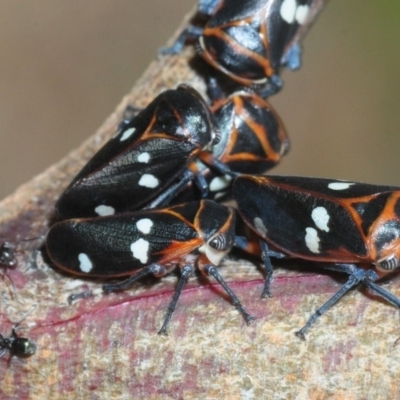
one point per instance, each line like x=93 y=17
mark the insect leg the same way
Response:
x=346 y=268
x=266 y=255
x=78 y=296
x=217 y=165
x=201 y=184
x=207 y=7
x=211 y=270
x=171 y=192
x=292 y=58
x=188 y=34
x=214 y=90
x=186 y=271
x=254 y=247
x=370 y=277
x=357 y=275
x=155 y=269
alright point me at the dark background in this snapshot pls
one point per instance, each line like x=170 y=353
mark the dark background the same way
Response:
x=66 y=64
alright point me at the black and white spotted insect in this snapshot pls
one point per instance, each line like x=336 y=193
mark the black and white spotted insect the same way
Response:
x=253 y=140
x=149 y=242
x=176 y=142
x=146 y=155
x=251 y=40
x=338 y=224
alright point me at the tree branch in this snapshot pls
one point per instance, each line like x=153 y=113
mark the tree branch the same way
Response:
x=107 y=346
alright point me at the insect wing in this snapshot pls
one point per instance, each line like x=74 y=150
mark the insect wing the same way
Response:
x=142 y=159
x=331 y=188
x=119 y=245
x=126 y=183
x=312 y=218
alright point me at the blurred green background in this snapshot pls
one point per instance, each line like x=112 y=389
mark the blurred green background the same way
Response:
x=66 y=64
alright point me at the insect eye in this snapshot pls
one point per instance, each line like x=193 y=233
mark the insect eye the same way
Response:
x=218 y=242
x=388 y=264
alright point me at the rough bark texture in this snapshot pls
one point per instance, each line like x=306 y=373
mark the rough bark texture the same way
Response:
x=107 y=347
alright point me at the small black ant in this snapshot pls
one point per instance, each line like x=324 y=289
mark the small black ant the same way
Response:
x=17 y=346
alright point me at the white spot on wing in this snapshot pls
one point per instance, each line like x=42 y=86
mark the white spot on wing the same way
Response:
x=288 y=10
x=302 y=13
x=140 y=250
x=127 y=134
x=321 y=218
x=144 y=225
x=144 y=158
x=220 y=182
x=85 y=264
x=260 y=227
x=340 y=185
x=149 y=181
x=312 y=240
x=103 y=210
